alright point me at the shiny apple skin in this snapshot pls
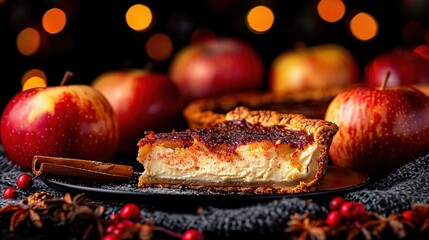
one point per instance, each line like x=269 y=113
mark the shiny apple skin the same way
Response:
x=318 y=67
x=216 y=67
x=142 y=101
x=380 y=130
x=73 y=121
x=405 y=66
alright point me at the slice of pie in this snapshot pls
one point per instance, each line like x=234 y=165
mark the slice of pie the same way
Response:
x=262 y=151
x=207 y=111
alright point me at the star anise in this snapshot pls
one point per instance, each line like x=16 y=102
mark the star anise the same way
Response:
x=37 y=200
x=16 y=213
x=76 y=212
x=303 y=227
x=421 y=217
x=41 y=210
x=392 y=226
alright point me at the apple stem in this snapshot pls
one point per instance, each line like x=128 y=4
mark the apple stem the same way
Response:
x=384 y=83
x=66 y=77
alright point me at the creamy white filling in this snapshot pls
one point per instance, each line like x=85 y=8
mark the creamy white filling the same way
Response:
x=249 y=164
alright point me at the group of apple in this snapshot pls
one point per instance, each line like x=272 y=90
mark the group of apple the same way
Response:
x=380 y=129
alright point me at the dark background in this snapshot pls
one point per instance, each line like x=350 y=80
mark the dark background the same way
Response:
x=96 y=37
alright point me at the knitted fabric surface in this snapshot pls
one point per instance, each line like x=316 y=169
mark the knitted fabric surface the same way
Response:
x=393 y=193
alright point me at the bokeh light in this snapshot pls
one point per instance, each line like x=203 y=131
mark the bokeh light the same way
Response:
x=28 y=41
x=159 y=47
x=363 y=26
x=33 y=78
x=331 y=10
x=260 y=19
x=54 y=20
x=139 y=17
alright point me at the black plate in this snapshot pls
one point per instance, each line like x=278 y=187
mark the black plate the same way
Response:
x=337 y=182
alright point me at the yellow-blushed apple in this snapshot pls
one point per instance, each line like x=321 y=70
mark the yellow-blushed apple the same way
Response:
x=215 y=67
x=380 y=129
x=74 y=121
x=318 y=67
x=143 y=100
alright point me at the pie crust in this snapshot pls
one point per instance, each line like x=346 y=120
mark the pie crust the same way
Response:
x=260 y=151
x=311 y=103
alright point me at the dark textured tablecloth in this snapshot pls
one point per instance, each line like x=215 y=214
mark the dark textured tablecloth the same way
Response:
x=393 y=193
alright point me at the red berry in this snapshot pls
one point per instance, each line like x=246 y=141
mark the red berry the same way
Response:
x=352 y=210
x=336 y=203
x=9 y=192
x=117 y=231
x=112 y=237
x=115 y=217
x=25 y=181
x=346 y=209
x=334 y=219
x=110 y=229
x=360 y=209
x=365 y=216
x=408 y=215
x=193 y=234
x=130 y=211
x=124 y=225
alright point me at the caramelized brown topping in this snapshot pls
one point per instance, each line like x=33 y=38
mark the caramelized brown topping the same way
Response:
x=309 y=108
x=233 y=134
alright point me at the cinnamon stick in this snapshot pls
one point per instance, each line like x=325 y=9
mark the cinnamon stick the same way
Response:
x=80 y=169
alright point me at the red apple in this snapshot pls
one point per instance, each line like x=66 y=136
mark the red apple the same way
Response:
x=318 y=67
x=215 y=67
x=379 y=129
x=406 y=67
x=143 y=101
x=73 y=121
x=424 y=88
